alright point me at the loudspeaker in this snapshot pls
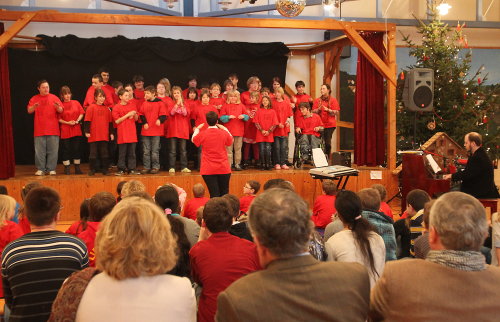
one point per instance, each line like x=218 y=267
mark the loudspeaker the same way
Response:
x=418 y=93
x=341 y=158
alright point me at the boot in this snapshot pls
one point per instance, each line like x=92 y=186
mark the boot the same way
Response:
x=92 y=163
x=105 y=166
x=77 y=169
x=66 y=169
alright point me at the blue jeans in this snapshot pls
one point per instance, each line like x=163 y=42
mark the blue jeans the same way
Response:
x=46 y=151
x=280 y=150
x=174 y=142
x=151 y=152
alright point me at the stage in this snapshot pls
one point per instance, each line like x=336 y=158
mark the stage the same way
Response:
x=75 y=188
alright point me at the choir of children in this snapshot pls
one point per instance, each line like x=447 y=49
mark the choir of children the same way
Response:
x=258 y=120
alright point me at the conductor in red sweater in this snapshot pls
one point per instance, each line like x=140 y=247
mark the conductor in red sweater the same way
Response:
x=214 y=167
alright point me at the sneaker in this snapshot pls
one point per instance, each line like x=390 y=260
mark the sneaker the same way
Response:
x=52 y=173
x=145 y=171
x=120 y=173
x=135 y=172
x=39 y=173
x=277 y=167
x=171 y=170
x=154 y=171
x=186 y=170
x=237 y=168
x=284 y=167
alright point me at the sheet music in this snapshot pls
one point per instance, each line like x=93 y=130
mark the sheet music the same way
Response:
x=435 y=167
x=319 y=158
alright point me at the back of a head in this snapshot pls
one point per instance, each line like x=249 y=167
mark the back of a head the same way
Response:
x=427 y=212
x=198 y=190
x=28 y=187
x=278 y=183
x=100 y=205
x=281 y=221
x=141 y=194
x=460 y=221
x=329 y=187
x=42 y=206
x=381 y=190
x=132 y=186
x=217 y=215
x=3 y=190
x=370 y=199
x=167 y=197
x=234 y=204
x=417 y=198
x=7 y=207
x=212 y=118
x=135 y=240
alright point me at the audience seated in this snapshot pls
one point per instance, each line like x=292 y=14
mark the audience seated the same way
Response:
x=35 y=265
x=422 y=246
x=495 y=239
x=357 y=242
x=4 y=191
x=324 y=206
x=119 y=188
x=81 y=225
x=221 y=258
x=250 y=191
x=453 y=283
x=141 y=194
x=278 y=183
x=198 y=201
x=238 y=229
x=100 y=205
x=332 y=228
x=293 y=285
x=132 y=186
x=135 y=248
x=23 y=219
x=370 y=199
x=384 y=207
x=167 y=198
x=409 y=228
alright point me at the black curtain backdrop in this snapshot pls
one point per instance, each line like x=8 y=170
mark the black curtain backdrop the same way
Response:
x=72 y=61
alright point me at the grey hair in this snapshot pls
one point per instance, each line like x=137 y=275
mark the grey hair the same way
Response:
x=281 y=220
x=460 y=221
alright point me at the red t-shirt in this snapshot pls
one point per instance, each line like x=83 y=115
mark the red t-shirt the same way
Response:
x=283 y=111
x=216 y=263
x=250 y=129
x=139 y=96
x=46 y=115
x=72 y=110
x=328 y=119
x=99 y=117
x=308 y=124
x=245 y=202
x=88 y=236
x=168 y=105
x=24 y=224
x=217 y=102
x=127 y=132
x=266 y=118
x=245 y=98
x=9 y=232
x=200 y=114
x=213 y=153
x=235 y=126
x=75 y=228
x=192 y=206
x=324 y=208
x=386 y=209
x=89 y=97
x=185 y=93
x=178 y=125
x=301 y=98
x=114 y=96
x=152 y=110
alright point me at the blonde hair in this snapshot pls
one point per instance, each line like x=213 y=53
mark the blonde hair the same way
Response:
x=7 y=206
x=253 y=79
x=165 y=82
x=132 y=186
x=233 y=93
x=135 y=240
x=177 y=88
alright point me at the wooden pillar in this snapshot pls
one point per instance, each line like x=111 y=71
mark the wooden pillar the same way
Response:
x=391 y=99
x=312 y=75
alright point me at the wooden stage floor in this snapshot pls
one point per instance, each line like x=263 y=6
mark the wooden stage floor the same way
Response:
x=75 y=188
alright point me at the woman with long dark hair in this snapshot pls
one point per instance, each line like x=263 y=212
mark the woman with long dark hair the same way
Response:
x=358 y=241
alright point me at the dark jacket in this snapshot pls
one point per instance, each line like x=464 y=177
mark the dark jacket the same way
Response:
x=477 y=177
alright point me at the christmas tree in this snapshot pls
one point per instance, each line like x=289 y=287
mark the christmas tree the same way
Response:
x=462 y=103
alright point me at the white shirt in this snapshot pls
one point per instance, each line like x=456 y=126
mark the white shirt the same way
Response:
x=153 y=298
x=342 y=247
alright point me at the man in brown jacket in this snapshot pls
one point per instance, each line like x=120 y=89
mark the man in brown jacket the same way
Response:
x=293 y=286
x=453 y=283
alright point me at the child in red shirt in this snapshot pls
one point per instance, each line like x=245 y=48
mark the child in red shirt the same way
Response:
x=178 y=127
x=280 y=145
x=97 y=83
x=228 y=86
x=98 y=130
x=9 y=230
x=153 y=113
x=265 y=121
x=324 y=206
x=125 y=115
x=384 y=207
x=234 y=117
x=192 y=83
x=139 y=88
x=300 y=97
x=198 y=201
x=100 y=205
x=250 y=131
x=81 y=225
x=250 y=191
x=253 y=84
x=215 y=96
x=308 y=127
x=328 y=109
x=164 y=92
x=71 y=131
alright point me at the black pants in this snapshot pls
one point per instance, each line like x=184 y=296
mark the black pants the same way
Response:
x=327 y=137
x=71 y=148
x=126 y=156
x=99 y=154
x=217 y=184
x=265 y=153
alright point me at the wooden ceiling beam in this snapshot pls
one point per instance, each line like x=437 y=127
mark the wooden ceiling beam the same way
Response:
x=20 y=23
x=327 y=45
